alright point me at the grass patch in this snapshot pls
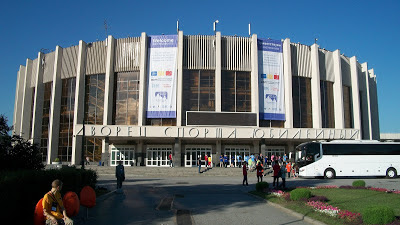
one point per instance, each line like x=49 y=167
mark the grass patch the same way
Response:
x=354 y=200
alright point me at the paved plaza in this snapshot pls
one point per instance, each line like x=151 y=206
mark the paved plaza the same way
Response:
x=199 y=200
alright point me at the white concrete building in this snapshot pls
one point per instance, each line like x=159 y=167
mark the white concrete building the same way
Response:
x=97 y=99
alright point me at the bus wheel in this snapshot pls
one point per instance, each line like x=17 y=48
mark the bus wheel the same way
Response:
x=391 y=173
x=329 y=174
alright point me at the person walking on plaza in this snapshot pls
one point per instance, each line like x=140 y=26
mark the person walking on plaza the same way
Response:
x=206 y=160
x=232 y=160
x=53 y=208
x=209 y=162
x=199 y=163
x=225 y=160
x=170 y=160
x=120 y=175
x=283 y=175
x=250 y=164
x=260 y=171
x=221 y=161
x=245 y=174
x=239 y=160
x=288 y=169
x=276 y=169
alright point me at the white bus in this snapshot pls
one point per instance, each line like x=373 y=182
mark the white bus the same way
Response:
x=348 y=158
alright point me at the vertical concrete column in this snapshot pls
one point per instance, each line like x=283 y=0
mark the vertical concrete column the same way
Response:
x=79 y=113
x=364 y=69
x=26 y=101
x=139 y=150
x=287 y=79
x=18 y=99
x=263 y=147
x=254 y=78
x=180 y=80
x=256 y=147
x=355 y=96
x=374 y=105
x=16 y=103
x=177 y=153
x=338 y=90
x=143 y=80
x=55 y=107
x=218 y=72
x=218 y=148
x=38 y=102
x=315 y=88
x=108 y=94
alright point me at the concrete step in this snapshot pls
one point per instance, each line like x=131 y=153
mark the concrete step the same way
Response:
x=171 y=172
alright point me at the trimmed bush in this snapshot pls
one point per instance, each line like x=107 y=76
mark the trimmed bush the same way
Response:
x=378 y=215
x=300 y=193
x=260 y=186
x=358 y=183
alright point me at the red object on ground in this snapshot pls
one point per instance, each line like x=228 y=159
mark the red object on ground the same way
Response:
x=71 y=203
x=88 y=197
x=38 y=217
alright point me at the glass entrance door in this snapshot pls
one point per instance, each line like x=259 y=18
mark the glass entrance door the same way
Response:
x=275 y=151
x=192 y=154
x=158 y=155
x=236 y=154
x=126 y=154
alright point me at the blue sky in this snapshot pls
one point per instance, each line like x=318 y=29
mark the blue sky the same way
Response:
x=369 y=30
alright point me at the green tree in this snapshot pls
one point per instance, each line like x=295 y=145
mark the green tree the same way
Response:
x=15 y=152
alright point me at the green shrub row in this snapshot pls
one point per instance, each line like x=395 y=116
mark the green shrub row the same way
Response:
x=378 y=215
x=358 y=183
x=21 y=190
x=300 y=193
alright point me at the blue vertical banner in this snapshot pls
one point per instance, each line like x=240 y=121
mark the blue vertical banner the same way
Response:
x=271 y=86
x=162 y=70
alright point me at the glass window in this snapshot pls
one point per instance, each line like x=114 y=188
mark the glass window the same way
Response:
x=126 y=98
x=66 y=119
x=302 y=106
x=327 y=105
x=348 y=109
x=94 y=99
x=198 y=91
x=236 y=91
x=92 y=149
x=45 y=120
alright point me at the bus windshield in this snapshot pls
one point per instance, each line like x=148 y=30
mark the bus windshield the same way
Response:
x=307 y=153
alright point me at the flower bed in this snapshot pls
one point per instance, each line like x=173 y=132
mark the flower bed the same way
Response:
x=323 y=208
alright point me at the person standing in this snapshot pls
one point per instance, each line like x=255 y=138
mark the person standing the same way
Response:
x=87 y=160
x=289 y=169
x=221 y=161
x=239 y=160
x=209 y=162
x=284 y=157
x=260 y=171
x=120 y=175
x=283 y=175
x=199 y=163
x=276 y=169
x=170 y=160
x=206 y=160
x=245 y=174
x=53 y=208
x=226 y=161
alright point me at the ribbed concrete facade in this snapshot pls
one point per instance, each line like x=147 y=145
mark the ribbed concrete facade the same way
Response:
x=90 y=100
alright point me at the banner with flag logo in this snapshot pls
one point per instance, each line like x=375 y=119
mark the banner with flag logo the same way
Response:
x=271 y=86
x=162 y=58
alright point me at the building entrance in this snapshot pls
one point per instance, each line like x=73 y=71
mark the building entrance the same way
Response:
x=158 y=155
x=236 y=154
x=275 y=151
x=193 y=152
x=122 y=153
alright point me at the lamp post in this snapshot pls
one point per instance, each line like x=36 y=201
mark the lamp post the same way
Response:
x=214 y=25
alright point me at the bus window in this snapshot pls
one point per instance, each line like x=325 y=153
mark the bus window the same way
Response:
x=307 y=153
